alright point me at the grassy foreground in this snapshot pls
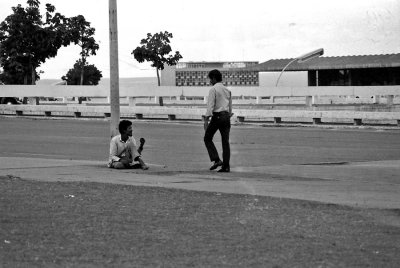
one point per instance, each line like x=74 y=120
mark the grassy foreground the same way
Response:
x=53 y=224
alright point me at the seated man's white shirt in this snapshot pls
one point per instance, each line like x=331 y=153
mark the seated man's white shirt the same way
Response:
x=120 y=149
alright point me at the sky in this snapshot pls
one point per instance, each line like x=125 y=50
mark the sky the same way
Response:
x=229 y=30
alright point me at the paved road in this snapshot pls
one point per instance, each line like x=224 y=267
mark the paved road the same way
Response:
x=180 y=145
x=343 y=166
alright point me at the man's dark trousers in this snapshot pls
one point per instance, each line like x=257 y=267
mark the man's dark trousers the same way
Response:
x=219 y=121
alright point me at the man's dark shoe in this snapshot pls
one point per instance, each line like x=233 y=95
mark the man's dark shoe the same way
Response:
x=225 y=169
x=216 y=164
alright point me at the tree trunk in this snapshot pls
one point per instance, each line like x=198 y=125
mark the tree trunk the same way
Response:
x=82 y=70
x=33 y=82
x=158 y=78
x=25 y=99
x=81 y=82
x=33 y=100
x=160 y=99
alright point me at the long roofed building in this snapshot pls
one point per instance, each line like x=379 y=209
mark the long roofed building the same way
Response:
x=363 y=70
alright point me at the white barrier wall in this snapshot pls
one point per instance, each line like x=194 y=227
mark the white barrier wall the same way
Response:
x=166 y=91
x=172 y=113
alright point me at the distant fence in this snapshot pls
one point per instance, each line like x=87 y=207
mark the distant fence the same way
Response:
x=386 y=95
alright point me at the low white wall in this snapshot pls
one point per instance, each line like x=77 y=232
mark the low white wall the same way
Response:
x=166 y=91
x=197 y=113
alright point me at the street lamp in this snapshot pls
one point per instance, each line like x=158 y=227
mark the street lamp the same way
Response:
x=301 y=59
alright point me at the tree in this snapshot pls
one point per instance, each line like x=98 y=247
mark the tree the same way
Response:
x=156 y=49
x=82 y=34
x=27 y=41
x=91 y=76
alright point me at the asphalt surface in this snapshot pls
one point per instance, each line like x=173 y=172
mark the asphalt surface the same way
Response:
x=352 y=166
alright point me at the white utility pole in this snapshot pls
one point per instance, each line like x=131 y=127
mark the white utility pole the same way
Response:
x=114 y=71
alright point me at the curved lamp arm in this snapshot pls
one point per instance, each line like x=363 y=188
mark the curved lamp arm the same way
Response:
x=302 y=58
x=277 y=81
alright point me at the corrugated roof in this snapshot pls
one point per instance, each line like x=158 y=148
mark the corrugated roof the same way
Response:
x=324 y=63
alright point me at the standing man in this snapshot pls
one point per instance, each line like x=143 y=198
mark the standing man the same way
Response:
x=123 y=151
x=219 y=108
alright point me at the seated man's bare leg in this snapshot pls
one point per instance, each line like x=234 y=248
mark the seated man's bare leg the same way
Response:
x=142 y=164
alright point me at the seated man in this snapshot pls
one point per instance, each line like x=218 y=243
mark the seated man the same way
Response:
x=123 y=150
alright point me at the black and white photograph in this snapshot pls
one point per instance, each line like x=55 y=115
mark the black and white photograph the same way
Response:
x=199 y=133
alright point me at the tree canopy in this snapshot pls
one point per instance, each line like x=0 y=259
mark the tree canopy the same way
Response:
x=27 y=40
x=91 y=76
x=156 y=49
x=82 y=34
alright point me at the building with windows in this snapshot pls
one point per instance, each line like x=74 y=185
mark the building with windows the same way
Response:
x=196 y=73
x=356 y=70
x=360 y=70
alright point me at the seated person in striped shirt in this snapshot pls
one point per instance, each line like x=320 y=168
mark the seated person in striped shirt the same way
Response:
x=123 y=151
